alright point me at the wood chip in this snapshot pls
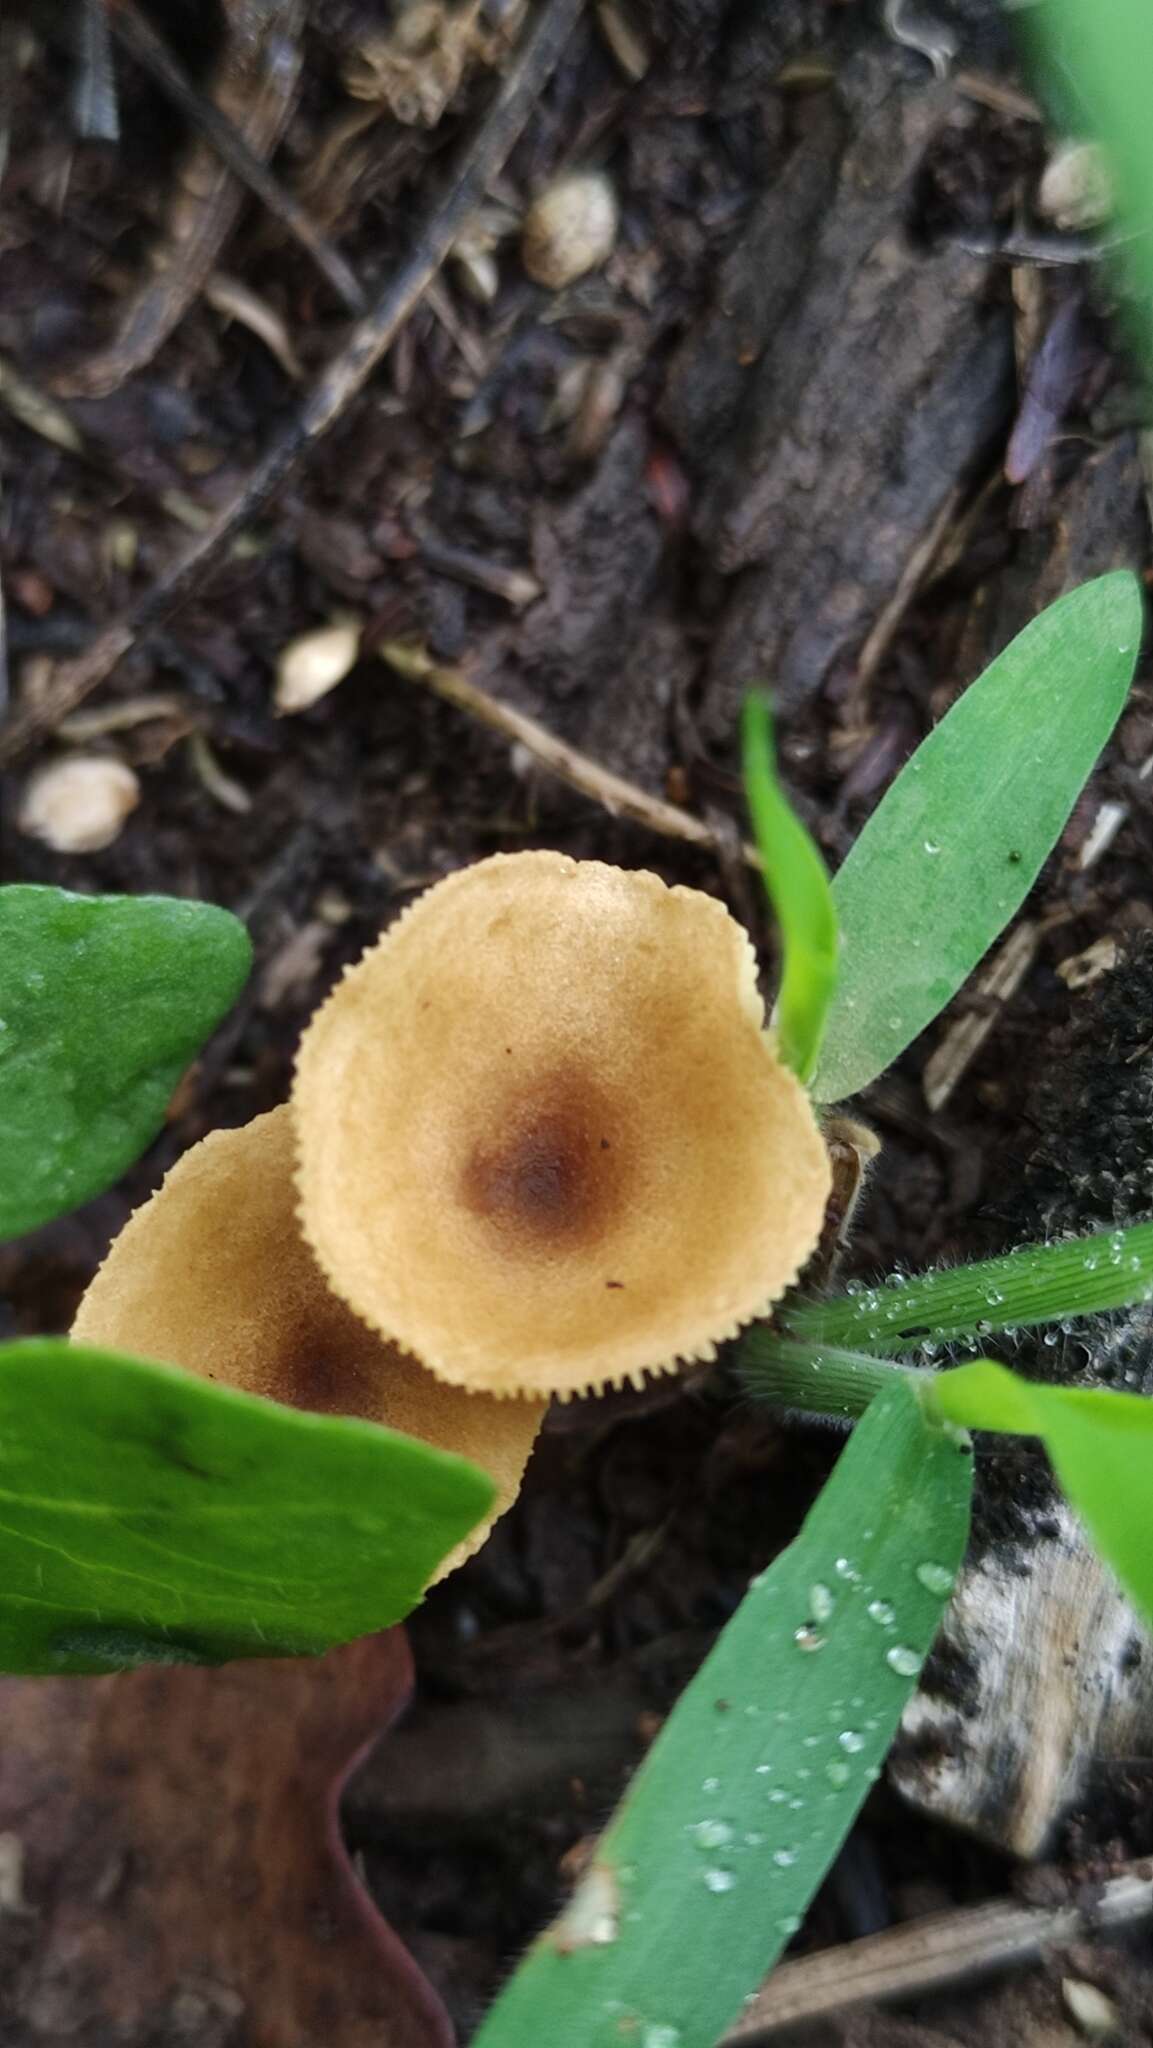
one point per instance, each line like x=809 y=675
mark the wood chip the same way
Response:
x=1080 y=970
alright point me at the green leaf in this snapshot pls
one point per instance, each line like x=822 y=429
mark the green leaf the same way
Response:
x=953 y=849
x=824 y=1379
x=1101 y=1446
x=149 y=1516
x=1103 y=73
x=756 y=1778
x=104 y=1000
x=1040 y=1283
x=799 y=892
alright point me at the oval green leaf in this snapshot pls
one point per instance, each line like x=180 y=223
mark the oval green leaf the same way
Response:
x=953 y=849
x=147 y=1516
x=798 y=889
x=104 y=1000
x=756 y=1778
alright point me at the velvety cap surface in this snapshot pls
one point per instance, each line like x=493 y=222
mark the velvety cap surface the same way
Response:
x=544 y=1141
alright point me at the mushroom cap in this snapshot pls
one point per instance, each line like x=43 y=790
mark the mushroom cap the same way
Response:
x=212 y=1274
x=544 y=1140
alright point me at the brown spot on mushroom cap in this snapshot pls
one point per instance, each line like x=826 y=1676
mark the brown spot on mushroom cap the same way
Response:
x=213 y=1274
x=549 y=1075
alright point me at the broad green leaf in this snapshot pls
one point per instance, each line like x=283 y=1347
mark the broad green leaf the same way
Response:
x=104 y=1000
x=824 y=1379
x=757 y=1776
x=954 y=847
x=147 y=1516
x=1100 y=1444
x=799 y=892
x=1040 y=1283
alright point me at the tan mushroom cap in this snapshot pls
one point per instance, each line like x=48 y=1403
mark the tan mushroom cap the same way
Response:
x=212 y=1274
x=544 y=1140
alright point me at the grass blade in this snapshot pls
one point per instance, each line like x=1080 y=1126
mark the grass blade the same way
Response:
x=752 y=1785
x=799 y=891
x=823 y=1379
x=1041 y=1283
x=1101 y=1446
x=952 y=851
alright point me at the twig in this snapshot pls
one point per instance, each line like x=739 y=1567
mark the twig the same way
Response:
x=337 y=385
x=151 y=52
x=516 y=586
x=928 y=1955
x=886 y=625
x=95 y=109
x=995 y=987
x=620 y=798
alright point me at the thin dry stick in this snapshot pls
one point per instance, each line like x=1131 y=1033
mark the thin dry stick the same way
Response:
x=620 y=798
x=335 y=388
x=928 y=1955
x=912 y=576
x=151 y=52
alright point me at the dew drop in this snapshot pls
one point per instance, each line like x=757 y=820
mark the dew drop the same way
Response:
x=661 y=2037
x=808 y=1639
x=710 y=1785
x=931 y=846
x=882 y=1612
x=711 y=1834
x=851 y=1741
x=719 y=1880
x=791 y=1924
x=784 y=1858
x=820 y=1602
x=935 y=1578
x=904 y=1662
x=838 y=1773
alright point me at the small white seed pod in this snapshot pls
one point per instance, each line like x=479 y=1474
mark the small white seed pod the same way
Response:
x=569 y=229
x=1076 y=190
x=313 y=664
x=79 y=803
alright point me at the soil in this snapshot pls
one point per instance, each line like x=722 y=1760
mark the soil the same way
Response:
x=802 y=425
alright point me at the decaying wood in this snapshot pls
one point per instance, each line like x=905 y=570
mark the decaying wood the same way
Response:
x=832 y=476
x=1057 y=1677
x=942 y=1950
x=333 y=391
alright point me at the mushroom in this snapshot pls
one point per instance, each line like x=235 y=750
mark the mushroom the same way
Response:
x=212 y=1274
x=544 y=1140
